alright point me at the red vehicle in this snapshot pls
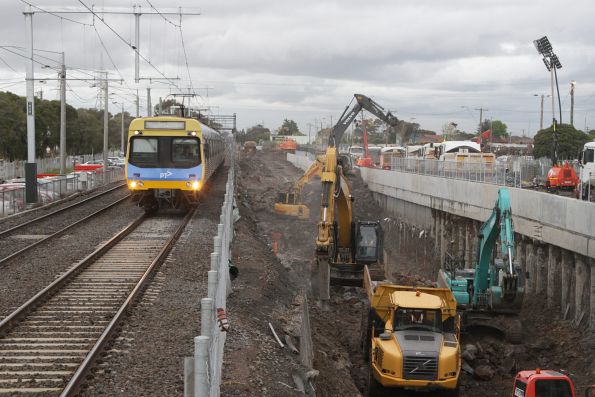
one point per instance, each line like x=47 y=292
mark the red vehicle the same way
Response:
x=545 y=383
x=561 y=178
x=288 y=144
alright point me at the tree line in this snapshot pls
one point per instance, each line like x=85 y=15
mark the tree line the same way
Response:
x=84 y=128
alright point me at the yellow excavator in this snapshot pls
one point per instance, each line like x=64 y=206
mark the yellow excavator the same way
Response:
x=290 y=202
x=344 y=245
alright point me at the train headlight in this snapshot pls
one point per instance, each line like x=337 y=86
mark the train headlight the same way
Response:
x=138 y=132
x=135 y=184
x=196 y=185
x=192 y=133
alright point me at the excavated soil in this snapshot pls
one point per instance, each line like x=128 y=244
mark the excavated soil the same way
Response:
x=268 y=285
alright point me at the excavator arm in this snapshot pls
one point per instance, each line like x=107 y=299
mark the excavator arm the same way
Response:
x=362 y=103
x=290 y=202
x=498 y=225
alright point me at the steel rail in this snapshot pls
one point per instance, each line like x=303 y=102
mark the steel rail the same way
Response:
x=9 y=321
x=12 y=229
x=61 y=231
x=73 y=386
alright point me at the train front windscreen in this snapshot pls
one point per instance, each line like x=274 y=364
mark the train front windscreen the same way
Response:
x=164 y=152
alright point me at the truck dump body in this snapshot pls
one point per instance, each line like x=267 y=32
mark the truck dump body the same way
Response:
x=413 y=335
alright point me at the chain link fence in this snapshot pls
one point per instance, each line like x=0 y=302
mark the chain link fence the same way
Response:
x=521 y=173
x=12 y=195
x=16 y=169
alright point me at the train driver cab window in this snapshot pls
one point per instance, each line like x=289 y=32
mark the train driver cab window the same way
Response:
x=144 y=150
x=589 y=156
x=185 y=152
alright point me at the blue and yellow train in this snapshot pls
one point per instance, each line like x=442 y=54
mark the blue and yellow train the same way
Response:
x=169 y=160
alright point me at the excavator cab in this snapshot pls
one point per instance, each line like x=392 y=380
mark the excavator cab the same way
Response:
x=368 y=242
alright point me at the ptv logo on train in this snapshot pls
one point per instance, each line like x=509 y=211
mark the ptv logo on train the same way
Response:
x=165 y=174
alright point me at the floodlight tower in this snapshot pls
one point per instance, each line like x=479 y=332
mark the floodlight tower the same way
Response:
x=552 y=63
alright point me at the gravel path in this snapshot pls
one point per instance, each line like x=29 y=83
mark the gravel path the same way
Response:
x=23 y=277
x=148 y=357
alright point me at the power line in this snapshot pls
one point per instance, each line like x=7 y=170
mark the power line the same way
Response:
x=163 y=16
x=21 y=55
x=54 y=14
x=110 y=56
x=186 y=60
x=127 y=43
x=6 y=63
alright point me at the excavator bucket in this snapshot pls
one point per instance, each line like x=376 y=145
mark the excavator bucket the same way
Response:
x=286 y=205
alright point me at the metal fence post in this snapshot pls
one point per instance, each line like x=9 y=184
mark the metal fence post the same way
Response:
x=201 y=366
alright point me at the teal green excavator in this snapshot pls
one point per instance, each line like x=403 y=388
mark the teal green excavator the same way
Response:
x=491 y=294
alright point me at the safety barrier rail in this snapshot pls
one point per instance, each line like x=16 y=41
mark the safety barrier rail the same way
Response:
x=12 y=195
x=202 y=373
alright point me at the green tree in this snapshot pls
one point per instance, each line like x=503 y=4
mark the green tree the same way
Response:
x=570 y=142
x=255 y=133
x=497 y=126
x=13 y=127
x=289 y=127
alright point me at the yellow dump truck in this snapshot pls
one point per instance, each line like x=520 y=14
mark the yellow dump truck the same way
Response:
x=410 y=335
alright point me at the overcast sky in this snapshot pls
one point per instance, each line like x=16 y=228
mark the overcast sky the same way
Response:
x=266 y=60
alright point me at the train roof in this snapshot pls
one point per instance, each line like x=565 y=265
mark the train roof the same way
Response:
x=189 y=124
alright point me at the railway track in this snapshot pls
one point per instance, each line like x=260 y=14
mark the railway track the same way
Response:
x=50 y=342
x=19 y=239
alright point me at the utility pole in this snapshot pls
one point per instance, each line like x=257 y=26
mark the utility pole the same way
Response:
x=31 y=166
x=541 y=119
x=122 y=131
x=63 y=116
x=105 y=127
x=137 y=108
x=136 y=44
x=149 y=110
x=481 y=110
x=572 y=85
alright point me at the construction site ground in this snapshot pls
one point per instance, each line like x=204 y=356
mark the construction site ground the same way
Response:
x=272 y=276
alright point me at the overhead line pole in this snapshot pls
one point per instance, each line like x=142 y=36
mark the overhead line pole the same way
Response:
x=31 y=166
x=105 y=127
x=63 y=116
x=136 y=43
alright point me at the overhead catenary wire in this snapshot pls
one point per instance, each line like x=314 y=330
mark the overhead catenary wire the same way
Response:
x=54 y=14
x=7 y=64
x=163 y=16
x=110 y=57
x=95 y=14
